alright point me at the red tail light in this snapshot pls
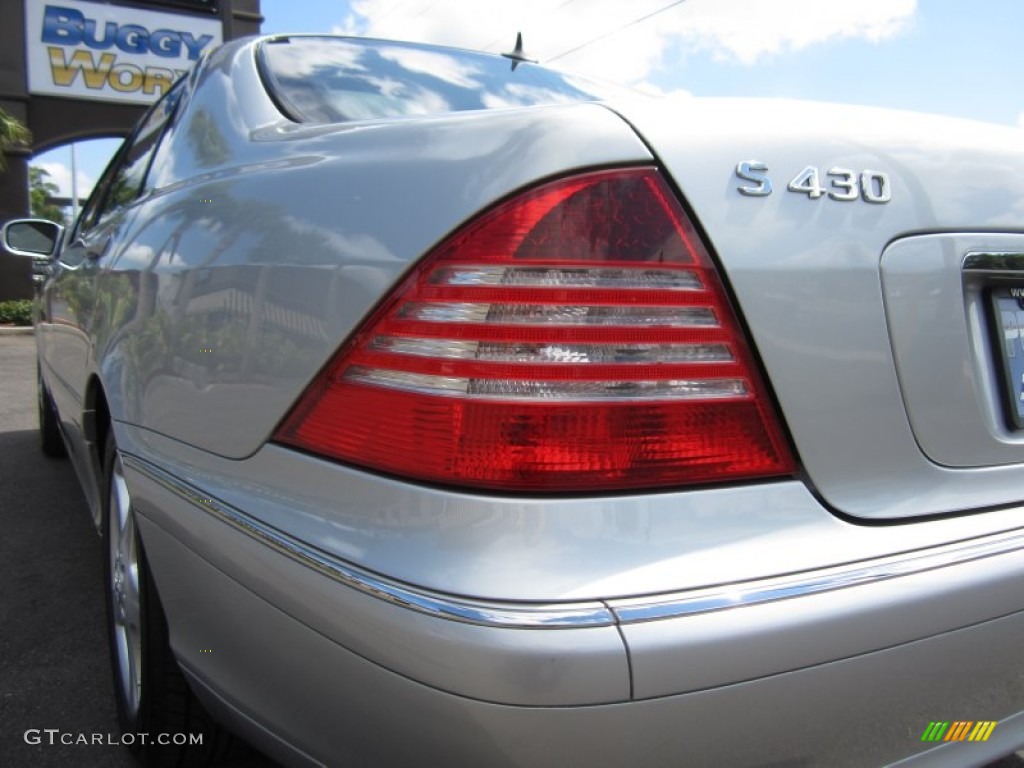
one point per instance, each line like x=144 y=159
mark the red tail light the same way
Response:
x=576 y=337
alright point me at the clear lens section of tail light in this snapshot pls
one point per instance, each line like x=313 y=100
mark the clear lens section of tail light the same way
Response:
x=576 y=337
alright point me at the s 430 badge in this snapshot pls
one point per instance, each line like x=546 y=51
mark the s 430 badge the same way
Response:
x=841 y=184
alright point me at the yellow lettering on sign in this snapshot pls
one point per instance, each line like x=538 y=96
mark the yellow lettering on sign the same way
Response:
x=107 y=71
x=129 y=84
x=64 y=71
x=158 y=80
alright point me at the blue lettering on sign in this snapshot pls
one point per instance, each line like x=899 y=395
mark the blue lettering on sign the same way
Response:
x=165 y=43
x=133 y=39
x=67 y=26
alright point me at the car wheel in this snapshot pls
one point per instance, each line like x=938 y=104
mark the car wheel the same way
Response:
x=50 y=438
x=152 y=695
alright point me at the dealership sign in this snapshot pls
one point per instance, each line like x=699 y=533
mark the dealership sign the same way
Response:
x=84 y=50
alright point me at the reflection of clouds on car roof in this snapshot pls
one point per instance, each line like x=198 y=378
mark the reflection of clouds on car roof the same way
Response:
x=443 y=67
x=354 y=79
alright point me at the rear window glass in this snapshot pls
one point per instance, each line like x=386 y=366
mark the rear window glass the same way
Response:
x=331 y=79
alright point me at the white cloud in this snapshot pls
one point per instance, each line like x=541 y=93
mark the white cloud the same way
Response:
x=740 y=30
x=60 y=175
x=1020 y=120
x=747 y=30
x=652 y=89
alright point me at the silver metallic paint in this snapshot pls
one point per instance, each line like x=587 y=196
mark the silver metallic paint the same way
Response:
x=526 y=666
x=569 y=615
x=806 y=274
x=493 y=547
x=795 y=718
x=939 y=325
x=232 y=253
x=773 y=637
x=309 y=266
x=507 y=615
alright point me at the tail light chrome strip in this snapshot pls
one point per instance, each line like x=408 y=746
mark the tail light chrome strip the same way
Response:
x=548 y=391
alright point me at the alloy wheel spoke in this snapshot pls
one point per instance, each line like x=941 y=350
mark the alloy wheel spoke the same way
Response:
x=125 y=588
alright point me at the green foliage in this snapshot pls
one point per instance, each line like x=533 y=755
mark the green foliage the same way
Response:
x=16 y=312
x=12 y=134
x=40 y=190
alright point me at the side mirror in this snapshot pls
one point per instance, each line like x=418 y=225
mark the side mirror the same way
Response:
x=32 y=237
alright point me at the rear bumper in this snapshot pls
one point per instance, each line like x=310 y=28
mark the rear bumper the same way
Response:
x=864 y=711
x=748 y=631
x=315 y=659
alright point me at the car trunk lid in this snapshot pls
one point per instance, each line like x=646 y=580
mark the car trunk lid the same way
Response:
x=873 y=335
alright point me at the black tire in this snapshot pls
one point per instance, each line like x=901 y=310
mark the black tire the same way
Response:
x=151 y=693
x=50 y=439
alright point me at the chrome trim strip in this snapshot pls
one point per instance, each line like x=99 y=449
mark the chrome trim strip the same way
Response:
x=509 y=615
x=639 y=278
x=558 y=315
x=743 y=595
x=503 y=615
x=551 y=390
x=620 y=353
x=997 y=261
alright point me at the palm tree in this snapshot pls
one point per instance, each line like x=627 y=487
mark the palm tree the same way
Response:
x=12 y=133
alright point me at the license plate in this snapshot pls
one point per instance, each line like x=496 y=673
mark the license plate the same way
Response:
x=1008 y=314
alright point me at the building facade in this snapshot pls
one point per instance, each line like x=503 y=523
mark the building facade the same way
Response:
x=83 y=69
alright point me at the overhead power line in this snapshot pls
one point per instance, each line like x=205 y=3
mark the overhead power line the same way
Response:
x=616 y=30
x=426 y=8
x=392 y=9
x=506 y=36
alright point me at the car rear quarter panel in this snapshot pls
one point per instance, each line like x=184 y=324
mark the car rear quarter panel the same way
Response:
x=265 y=242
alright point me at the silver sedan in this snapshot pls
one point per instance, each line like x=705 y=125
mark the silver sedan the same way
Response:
x=437 y=407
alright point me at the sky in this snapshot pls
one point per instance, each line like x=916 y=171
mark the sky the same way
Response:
x=950 y=57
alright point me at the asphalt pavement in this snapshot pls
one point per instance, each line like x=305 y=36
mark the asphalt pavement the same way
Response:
x=54 y=667
x=54 y=671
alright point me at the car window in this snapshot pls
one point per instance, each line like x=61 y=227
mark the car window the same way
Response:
x=88 y=216
x=127 y=181
x=336 y=79
x=123 y=179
